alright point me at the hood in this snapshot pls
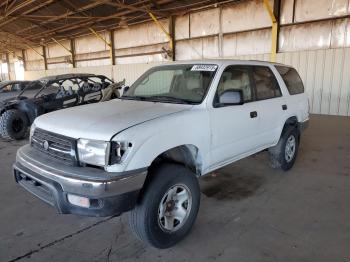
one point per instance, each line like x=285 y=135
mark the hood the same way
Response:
x=101 y=121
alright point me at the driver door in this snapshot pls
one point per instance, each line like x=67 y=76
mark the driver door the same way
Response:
x=234 y=128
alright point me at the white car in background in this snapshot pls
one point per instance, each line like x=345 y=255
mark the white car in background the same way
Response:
x=144 y=151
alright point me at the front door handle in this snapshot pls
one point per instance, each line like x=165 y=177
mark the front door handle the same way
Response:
x=284 y=107
x=253 y=114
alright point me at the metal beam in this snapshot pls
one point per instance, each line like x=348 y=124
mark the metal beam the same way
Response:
x=34 y=50
x=100 y=36
x=81 y=24
x=45 y=58
x=13 y=40
x=13 y=9
x=7 y=47
x=274 y=32
x=63 y=16
x=24 y=60
x=161 y=27
x=44 y=17
x=5 y=20
x=72 y=48
x=112 y=47
x=68 y=50
x=65 y=48
x=172 y=35
x=8 y=65
x=142 y=9
x=110 y=44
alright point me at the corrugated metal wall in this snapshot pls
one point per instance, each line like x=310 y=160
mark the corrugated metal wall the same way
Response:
x=326 y=76
x=314 y=38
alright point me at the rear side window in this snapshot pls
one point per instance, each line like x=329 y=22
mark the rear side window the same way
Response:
x=265 y=83
x=292 y=79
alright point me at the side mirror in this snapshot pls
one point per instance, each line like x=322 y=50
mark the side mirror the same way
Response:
x=231 y=97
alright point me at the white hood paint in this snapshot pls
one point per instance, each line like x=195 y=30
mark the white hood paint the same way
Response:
x=101 y=121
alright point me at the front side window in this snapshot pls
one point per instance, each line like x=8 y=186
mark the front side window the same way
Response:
x=265 y=83
x=292 y=79
x=173 y=84
x=235 y=78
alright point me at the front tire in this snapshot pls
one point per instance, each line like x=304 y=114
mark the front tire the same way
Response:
x=284 y=154
x=13 y=124
x=168 y=207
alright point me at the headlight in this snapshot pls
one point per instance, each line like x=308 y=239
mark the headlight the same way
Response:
x=32 y=128
x=93 y=152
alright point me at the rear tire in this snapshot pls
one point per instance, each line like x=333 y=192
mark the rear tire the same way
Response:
x=168 y=207
x=284 y=154
x=13 y=124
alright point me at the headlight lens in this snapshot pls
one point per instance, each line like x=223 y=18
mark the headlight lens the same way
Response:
x=93 y=152
x=32 y=128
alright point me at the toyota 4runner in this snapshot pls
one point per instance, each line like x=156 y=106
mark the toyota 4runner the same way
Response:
x=144 y=151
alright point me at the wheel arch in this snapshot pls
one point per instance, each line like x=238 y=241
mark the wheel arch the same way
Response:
x=293 y=122
x=30 y=109
x=187 y=155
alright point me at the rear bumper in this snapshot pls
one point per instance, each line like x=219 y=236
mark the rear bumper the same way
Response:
x=108 y=193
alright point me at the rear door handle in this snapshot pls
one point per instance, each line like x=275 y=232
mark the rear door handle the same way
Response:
x=284 y=107
x=253 y=114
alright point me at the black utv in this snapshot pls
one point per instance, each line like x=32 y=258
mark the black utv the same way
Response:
x=55 y=92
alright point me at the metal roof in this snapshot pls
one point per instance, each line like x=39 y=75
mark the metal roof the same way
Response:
x=25 y=23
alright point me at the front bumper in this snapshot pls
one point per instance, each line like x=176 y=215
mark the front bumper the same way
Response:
x=109 y=193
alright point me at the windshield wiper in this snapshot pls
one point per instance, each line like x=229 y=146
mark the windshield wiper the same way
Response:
x=142 y=98
x=160 y=98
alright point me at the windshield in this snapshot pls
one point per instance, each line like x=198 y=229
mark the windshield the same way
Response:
x=32 y=88
x=173 y=84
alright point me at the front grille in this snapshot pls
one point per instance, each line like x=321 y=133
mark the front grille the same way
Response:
x=55 y=146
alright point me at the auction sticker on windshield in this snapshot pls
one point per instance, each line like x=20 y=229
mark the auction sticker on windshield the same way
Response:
x=209 y=68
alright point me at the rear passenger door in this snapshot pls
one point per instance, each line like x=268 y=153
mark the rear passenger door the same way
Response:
x=272 y=105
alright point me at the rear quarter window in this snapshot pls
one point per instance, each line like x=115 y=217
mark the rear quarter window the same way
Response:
x=265 y=83
x=292 y=79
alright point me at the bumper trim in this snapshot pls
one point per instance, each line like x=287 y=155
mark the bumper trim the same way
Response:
x=51 y=193
x=110 y=194
x=79 y=180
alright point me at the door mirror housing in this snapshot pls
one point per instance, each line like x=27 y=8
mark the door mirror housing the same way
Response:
x=231 y=97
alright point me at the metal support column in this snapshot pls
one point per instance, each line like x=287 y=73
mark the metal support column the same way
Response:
x=274 y=15
x=45 y=58
x=24 y=60
x=172 y=35
x=112 y=48
x=72 y=49
x=8 y=65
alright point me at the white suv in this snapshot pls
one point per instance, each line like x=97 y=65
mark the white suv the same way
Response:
x=144 y=151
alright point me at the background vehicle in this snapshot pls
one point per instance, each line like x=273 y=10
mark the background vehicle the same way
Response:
x=144 y=151
x=10 y=89
x=54 y=93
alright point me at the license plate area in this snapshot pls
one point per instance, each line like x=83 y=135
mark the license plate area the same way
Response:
x=36 y=187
